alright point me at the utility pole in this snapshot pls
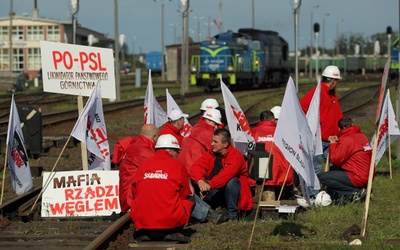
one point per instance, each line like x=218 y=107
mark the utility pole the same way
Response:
x=184 y=48
x=10 y=35
x=297 y=4
x=311 y=39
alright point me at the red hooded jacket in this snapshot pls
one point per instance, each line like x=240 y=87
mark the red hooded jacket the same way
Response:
x=330 y=112
x=198 y=142
x=170 y=129
x=137 y=152
x=233 y=164
x=264 y=132
x=160 y=188
x=352 y=153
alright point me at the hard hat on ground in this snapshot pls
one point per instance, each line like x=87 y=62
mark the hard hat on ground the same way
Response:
x=322 y=199
x=332 y=72
x=209 y=103
x=167 y=141
x=213 y=115
x=276 y=111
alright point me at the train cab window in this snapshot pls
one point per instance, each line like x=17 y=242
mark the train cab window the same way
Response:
x=256 y=45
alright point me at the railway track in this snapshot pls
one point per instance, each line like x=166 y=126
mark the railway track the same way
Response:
x=22 y=228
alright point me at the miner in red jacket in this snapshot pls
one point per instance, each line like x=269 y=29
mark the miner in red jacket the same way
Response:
x=264 y=132
x=141 y=149
x=174 y=125
x=200 y=138
x=160 y=194
x=220 y=176
x=330 y=112
x=351 y=159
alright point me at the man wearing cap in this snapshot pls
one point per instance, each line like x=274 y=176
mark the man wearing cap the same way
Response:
x=200 y=138
x=139 y=150
x=174 y=125
x=160 y=190
x=330 y=112
x=211 y=103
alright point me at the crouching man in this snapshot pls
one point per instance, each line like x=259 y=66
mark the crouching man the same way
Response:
x=160 y=206
x=220 y=176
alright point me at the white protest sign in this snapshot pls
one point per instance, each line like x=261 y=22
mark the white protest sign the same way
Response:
x=76 y=69
x=80 y=193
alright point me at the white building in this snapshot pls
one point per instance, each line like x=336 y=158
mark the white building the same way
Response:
x=27 y=32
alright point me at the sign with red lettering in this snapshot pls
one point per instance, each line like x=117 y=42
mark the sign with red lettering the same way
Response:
x=76 y=69
x=80 y=193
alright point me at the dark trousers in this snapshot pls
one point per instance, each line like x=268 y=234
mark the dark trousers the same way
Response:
x=337 y=183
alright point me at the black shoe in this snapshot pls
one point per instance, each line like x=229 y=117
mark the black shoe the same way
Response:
x=177 y=237
x=359 y=196
x=230 y=218
x=140 y=236
x=215 y=217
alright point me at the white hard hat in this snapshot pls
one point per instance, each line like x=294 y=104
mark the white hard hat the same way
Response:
x=213 y=115
x=167 y=141
x=322 y=199
x=332 y=72
x=209 y=103
x=276 y=110
x=176 y=114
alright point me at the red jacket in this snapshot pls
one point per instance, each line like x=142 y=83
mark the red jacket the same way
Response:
x=198 y=142
x=264 y=132
x=160 y=188
x=139 y=151
x=233 y=164
x=170 y=129
x=330 y=112
x=352 y=153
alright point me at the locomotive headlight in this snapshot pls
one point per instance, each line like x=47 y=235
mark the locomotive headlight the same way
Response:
x=230 y=68
x=193 y=69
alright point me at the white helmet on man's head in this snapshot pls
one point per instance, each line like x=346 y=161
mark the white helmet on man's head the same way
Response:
x=276 y=111
x=213 y=115
x=322 y=199
x=332 y=71
x=209 y=103
x=167 y=141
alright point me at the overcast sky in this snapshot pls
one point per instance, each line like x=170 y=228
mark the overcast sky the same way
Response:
x=140 y=20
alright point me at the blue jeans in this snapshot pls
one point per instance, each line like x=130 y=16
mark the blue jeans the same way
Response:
x=337 y=182
x=317 y=161
x=200 y=209
x=227 y=196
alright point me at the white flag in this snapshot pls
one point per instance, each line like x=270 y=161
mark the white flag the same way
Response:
x=238 y=125
x=388 y=126
x=18 y=162
x=294 y=138
x=153 y=112
x=171 y=105
x=90 y=128
x=313 y=117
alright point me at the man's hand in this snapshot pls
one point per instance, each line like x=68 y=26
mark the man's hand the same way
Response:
x=333 y=139
x=204 y=188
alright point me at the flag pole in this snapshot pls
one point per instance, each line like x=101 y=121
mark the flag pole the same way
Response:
x=327 y=163
x=390 y=158
x=52 y=170
x=284 y=182
x=4 y=174
x=85 y=164
x=259 y=198
x=369 y=186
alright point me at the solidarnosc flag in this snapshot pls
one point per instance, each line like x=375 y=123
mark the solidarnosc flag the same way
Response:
x=388 y=126
x=153 y=112
x=90 y=128
x=238 y=125
x=171 y=105
x=294 y=138
x=21 y=177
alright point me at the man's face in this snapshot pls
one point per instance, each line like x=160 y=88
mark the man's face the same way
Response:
x=181 y=122
x=217 y=145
